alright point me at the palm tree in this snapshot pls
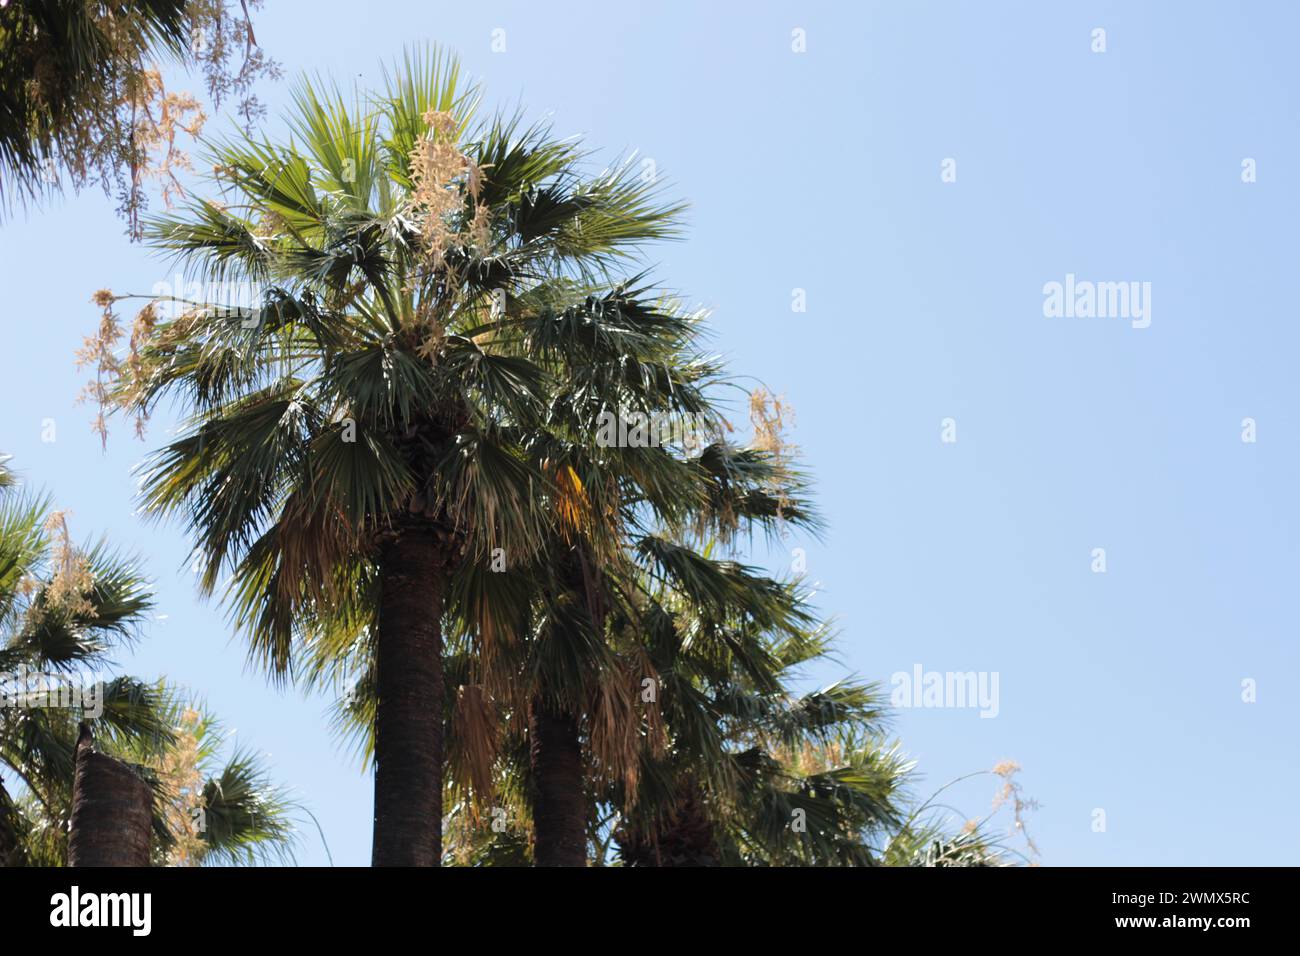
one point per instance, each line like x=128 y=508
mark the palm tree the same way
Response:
x=737 y=781
x=631 y=519
x=60 y=608
x=532 y=646
x=363 y=435
x=548 y=645
x=731 y=767
x=756 y=774
x=575 y=679
x=64 y=610
x=630 y=647
x=599 y=642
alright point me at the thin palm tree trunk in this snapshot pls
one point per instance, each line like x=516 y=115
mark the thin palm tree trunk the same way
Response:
x=112 y=811
x=559 y=805
x=10 y=851
x=409 y=711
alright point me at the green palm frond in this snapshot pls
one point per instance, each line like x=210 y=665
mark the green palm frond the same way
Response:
x=247 y=818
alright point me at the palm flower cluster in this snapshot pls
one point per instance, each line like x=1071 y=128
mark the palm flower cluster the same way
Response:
x=111 y=371
x=443 y=179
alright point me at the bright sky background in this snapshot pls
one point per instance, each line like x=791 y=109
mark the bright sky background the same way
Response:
x=821 y=171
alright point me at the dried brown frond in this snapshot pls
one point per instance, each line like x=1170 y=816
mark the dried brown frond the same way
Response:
x=622 y=725
x=315 y=542
x=473 y=743
x=641 y=669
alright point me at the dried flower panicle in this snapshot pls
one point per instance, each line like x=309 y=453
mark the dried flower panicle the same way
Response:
x=158 y=117
x=431 y=347
x=436 y=166
x=118 y=381
x=269 y=225
x=772 y=417
x=444 y=182
x=480 y=227
x=223 y=35
x=180 y=771
x=813 y=757
x=123 y=129
x=1011 y=793
x=69 y=587
x=99 y=350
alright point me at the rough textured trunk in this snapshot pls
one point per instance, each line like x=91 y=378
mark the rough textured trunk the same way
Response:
x=409 y=712
x=559 y=805
x=112 y=811
x=683 y=837
x=10 y=850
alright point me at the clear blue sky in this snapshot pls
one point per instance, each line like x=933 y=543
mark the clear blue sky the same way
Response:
x=821 y=171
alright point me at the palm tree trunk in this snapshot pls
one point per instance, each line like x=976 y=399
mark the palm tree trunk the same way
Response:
x=409 y=711
x=685 y=837
x=10 y=851
x=559 y=805
x=112 y=811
